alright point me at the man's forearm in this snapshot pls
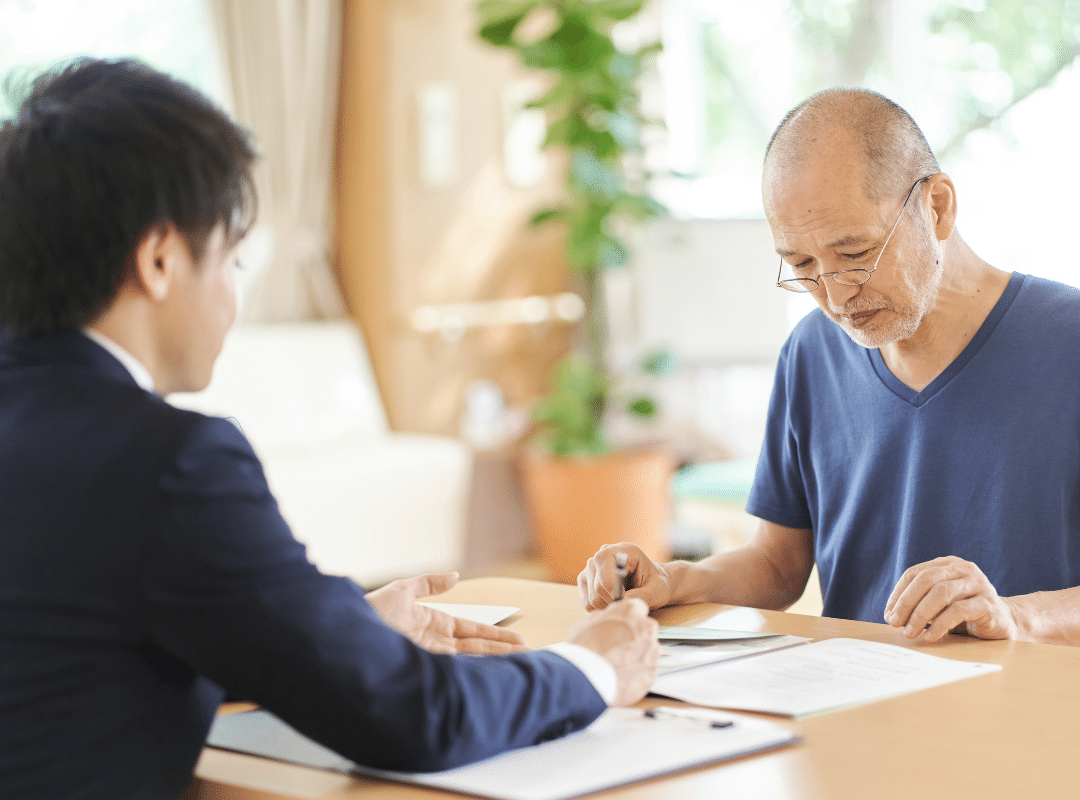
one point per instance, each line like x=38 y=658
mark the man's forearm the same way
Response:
x=744 y=577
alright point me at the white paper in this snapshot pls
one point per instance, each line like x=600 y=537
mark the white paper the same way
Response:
x=489 y=615
x=735 y=619
x=823 y=676
x=622 y=746
x=691 y=656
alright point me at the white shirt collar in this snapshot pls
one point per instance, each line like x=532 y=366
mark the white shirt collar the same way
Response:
x=140 y=373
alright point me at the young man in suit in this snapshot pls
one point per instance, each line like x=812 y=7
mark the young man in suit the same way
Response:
x=144 y=567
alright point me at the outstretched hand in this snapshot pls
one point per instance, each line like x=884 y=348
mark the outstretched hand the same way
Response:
x=435 y=630
x=949 y=594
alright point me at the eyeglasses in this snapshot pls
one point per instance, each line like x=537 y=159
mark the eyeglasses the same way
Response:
x=845 y=277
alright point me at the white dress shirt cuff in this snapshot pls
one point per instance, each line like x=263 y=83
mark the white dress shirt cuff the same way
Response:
x=595 y=667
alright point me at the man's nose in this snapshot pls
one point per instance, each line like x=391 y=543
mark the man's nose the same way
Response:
x=837 y=293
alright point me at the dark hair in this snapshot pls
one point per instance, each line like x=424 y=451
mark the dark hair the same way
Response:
x=894 y=149
x=99 y=154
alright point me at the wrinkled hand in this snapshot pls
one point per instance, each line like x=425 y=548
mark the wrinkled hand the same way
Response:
x=435 y=630
x=949 y=594
x=627 y=637
x=647 y=580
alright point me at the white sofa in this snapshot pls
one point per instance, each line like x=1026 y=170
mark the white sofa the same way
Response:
x=369 y=503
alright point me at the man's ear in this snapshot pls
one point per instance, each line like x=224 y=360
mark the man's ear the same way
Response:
x=942 y=205
x=157 y=257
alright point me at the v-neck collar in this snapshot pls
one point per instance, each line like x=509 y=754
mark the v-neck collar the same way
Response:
x=909 y=395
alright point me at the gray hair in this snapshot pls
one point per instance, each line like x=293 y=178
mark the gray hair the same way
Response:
x=894 y=150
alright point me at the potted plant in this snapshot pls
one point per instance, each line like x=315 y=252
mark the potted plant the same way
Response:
x=583 y=493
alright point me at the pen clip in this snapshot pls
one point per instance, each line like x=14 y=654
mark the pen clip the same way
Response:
x=704 y=716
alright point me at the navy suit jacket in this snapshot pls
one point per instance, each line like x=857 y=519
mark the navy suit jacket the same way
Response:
x=144 y=568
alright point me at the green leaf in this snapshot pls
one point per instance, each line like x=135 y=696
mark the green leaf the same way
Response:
x=618 y=9
x=641 y=206
x=642 y=407
x=623 y=67
x=592 y=175
x=583 y=48
x=624 y=127
x=544 y=54
x=611 y=252
x=492 y=12
x=556 y=95
x=649 y=50
x=660 y=362
x=499 y=19
x=548 y=215
x=571 y=415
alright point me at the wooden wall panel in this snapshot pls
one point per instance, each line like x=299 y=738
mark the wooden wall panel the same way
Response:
x=402 y=244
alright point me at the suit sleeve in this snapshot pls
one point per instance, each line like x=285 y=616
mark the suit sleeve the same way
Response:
x=230 y=591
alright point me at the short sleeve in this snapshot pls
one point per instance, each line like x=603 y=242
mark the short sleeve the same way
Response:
x=779 y=492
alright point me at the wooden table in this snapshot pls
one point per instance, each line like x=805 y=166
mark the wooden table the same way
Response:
x=1012 y=734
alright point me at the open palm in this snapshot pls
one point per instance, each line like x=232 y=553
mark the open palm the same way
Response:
x=435 y=630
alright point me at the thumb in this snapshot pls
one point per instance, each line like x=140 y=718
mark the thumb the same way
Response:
x=434 y=583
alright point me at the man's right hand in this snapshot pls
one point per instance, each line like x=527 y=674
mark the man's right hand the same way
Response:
x=626 y=636
x=647 y=580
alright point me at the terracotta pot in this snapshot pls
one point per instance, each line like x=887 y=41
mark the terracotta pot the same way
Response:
x=579 y=504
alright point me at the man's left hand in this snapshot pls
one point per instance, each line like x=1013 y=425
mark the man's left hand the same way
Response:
x=950 y=595
x=435 y=630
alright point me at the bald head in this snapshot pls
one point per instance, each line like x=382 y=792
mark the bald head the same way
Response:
x=878 y=135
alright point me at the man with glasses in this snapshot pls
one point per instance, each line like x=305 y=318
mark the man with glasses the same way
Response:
x=923 y=443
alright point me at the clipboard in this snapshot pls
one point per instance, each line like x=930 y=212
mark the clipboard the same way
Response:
x=625 y=745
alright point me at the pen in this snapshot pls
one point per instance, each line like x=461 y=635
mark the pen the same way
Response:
x=620 y=576
x=706 y=716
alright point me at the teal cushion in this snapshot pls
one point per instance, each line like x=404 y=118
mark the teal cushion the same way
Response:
x=724 y=481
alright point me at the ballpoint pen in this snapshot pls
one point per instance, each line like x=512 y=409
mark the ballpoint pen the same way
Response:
x=620 y=576
x=705 y=716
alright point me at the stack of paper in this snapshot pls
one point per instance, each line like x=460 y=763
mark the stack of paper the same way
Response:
x=686 y=648
x=813 y=678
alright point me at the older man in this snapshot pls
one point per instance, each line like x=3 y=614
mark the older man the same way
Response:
x=923 y=442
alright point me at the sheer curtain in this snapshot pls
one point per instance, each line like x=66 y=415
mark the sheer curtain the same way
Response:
x=281 y=59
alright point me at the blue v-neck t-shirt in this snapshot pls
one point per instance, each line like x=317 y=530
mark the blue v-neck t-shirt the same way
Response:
x=984 y=463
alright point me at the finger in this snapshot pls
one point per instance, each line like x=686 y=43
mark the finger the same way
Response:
x=599 y=594
x=469 y=629
x=936 y=600
x=956 y=614
x=936 y=571
x=583 y=589
x=901 y=586
x=432 y=583
x=488 y=647
x=921 y=579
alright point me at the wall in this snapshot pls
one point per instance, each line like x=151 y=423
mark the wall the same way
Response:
x=402 y=243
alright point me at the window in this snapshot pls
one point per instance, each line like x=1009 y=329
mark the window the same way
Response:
x=174 y=36
x=993 y=84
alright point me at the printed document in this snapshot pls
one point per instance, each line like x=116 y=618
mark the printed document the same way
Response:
x=814 y=678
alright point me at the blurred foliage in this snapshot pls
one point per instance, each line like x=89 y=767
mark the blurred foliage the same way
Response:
x=1006 y=51
x=592 y=107
x=988 y=55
